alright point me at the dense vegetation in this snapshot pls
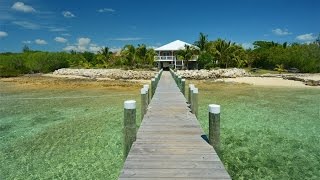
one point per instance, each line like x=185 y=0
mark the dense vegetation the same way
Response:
x=217 y=53
x=265 y=54
x=13 y=64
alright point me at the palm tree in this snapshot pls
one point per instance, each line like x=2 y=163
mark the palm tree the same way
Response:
x=141 y=52
x=186 y=54
x=129 y=53
x=227 y=53
x=105 y=54
x=201 y=43
x=280 y=68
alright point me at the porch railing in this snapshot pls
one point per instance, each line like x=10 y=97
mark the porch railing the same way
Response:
x=164 y=58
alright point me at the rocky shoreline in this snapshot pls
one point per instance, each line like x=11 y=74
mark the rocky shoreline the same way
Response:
x=307 y=79
x=213 y=74
x=106 y=73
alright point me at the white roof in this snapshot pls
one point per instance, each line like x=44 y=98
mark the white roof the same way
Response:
x=174 y=46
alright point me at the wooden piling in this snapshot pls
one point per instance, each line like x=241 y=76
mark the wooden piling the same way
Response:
x=144 y=101
x=189 y=93
x=129 y=131
x=194 y=101
x=214 y=126
x=153 y=86
x=146 y=86
x=183 y=86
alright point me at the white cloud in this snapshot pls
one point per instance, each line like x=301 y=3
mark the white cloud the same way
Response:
x=115 y=49
x=3 y=34
x=65 y=34
x=106 y=10
x=94 y=49
x=27 y=25
x=70 y=48
x=306 y=37
x=26 y=42
x=68 y=14
x=54 y=29
x=281 y=32
x=83 y=44
x=127 y=39
x=60 y=39
x=84 y=41
x=247 y=45
x=20 y=6
x=40 y=42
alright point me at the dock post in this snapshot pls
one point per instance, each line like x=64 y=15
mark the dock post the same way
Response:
x=189 y=93
x=183 y=86
x=144 y=102
x=129 y=126
x=153 y=86
x=194 y=98
x=214 y=126
x=146 y=86
x=179 y=82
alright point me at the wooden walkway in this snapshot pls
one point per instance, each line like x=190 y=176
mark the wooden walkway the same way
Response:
x=169 y=143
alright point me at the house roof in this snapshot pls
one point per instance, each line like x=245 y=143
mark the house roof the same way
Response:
x=174 y=46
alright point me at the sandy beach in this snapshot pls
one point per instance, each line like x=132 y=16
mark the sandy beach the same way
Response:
x=267 y=81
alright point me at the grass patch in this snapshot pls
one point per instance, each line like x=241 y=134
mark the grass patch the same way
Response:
x=62 y=129
x=267 y=133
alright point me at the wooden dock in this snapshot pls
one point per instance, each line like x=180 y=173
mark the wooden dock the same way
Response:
x=169 y=143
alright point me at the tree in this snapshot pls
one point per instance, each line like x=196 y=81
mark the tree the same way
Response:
x=141 y=52
x=280 y=68
x=104 y=58
x=150 y=55
x=129 y=53
x=317 y=41
x=26 y=49
x=186 y=54
x=201 y=43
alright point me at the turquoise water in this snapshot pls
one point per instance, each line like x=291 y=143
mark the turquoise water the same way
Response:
x=62 y=133
x=267 y=133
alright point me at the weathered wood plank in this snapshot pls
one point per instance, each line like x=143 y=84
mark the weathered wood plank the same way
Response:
x=172 y=164
x=163 y=172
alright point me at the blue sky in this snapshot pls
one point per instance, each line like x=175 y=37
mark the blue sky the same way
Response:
x=56 y=25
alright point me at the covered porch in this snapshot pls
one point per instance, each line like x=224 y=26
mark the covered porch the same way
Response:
x=167 y=55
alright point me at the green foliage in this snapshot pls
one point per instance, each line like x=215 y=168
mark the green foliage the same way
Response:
x=201 y=43
x=279 y=68
x=44 y=62
x=187 y=54
x=305 y=57
x=205 y=60
x=11 y=65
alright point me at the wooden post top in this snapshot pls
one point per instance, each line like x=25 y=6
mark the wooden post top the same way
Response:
x=214 y=108
x=130 y=104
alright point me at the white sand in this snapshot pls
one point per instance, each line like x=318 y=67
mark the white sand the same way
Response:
x=267 y=81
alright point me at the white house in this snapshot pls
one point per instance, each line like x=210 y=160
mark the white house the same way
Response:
x=167 y=55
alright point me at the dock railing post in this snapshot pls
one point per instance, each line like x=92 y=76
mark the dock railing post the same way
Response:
x=146 y=86
x=129 y=130
x=183 y=86
x=144 y=102
x=153 y=86
x=214 y=126
x=194 y=101
x=189 y=93
x=179 y=82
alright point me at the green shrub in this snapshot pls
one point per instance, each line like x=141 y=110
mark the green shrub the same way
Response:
x=11 y=65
